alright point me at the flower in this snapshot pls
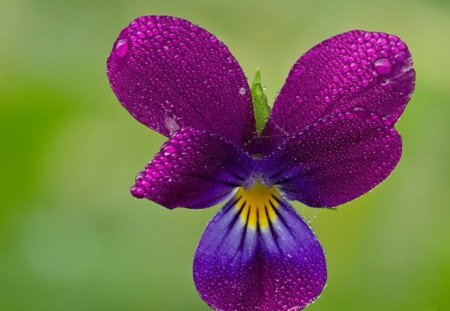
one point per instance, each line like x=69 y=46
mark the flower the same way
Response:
x=329 y=139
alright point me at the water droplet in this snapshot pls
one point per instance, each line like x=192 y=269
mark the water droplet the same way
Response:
x=122 y=47
x=242 y=91
x=169 y=149
x=299 y=71
x=400 y=56
x=383 y=66
x=137 y=192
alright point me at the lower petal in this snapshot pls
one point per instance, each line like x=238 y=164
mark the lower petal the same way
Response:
x=258 y=254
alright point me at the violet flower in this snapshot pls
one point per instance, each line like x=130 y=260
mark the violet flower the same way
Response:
x=329 y=139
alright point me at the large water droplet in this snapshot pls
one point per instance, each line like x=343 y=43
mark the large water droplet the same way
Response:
x=122 y=47
x=383 y=66
x=137 y=192
x=169 y=150
x=400 y=56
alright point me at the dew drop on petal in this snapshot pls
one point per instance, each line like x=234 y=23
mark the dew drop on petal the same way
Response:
x=400 y=56
x=137 y=192
x=370 y=52
x=383 y=66
x=242 y=91
x=169 y=150
x=122 y=47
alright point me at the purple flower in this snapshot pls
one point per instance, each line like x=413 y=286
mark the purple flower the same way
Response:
x=329 y=139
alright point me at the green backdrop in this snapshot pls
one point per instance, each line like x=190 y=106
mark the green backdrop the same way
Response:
x=71 y=236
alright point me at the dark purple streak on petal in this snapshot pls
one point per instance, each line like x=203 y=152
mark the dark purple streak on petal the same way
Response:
x=169 y=74
x=335 y=160
x=194 y=169
x=354 y=69
x=240 y=267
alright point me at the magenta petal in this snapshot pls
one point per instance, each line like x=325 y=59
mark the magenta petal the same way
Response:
x=354 y=69
x=239 y=268
x=336 y=160
x=194 y=169
x=169 y=74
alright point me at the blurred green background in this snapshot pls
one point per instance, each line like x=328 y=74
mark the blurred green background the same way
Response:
x=71 y=236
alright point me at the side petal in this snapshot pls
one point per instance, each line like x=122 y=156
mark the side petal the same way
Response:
x=194 y=169
x=258 y=254
x=169 y=73
x=335 y=160
x=354 y=69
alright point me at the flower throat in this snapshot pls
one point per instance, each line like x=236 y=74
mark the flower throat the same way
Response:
x=257 y=205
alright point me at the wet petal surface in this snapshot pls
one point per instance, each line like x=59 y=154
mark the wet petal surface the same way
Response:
x=354 y=69
x=169 y=74
x=335 y=160
x=194 y=169
x=258 y=254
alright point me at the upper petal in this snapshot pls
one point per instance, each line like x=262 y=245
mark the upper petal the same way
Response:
x=335 y=160
x=258 y=254
x=169 y=73
x=194 y=169
x=354 y=69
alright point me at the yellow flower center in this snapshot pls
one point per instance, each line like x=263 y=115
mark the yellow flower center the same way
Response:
x=257 y=205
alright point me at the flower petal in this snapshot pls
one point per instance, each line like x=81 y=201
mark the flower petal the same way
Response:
x=336 y=160
x=194 y=169
x=354 y=69
x=257 y=255
x=169 y=73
